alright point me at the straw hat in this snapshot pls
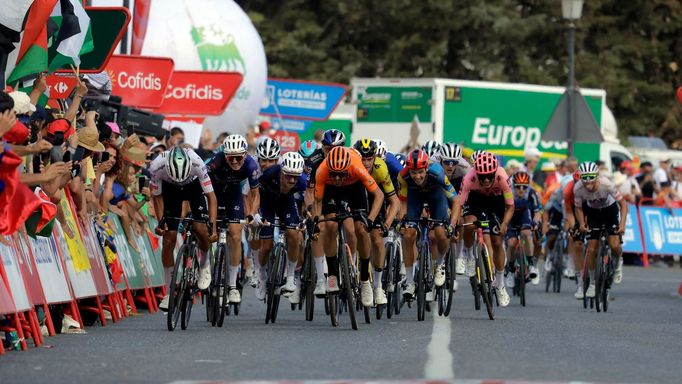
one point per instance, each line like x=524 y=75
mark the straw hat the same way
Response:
x=88 y=138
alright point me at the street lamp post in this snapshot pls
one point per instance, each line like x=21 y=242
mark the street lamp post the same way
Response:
x=571 y=11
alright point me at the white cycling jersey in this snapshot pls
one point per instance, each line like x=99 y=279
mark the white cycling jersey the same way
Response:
x=603 y=197
x=198 y=171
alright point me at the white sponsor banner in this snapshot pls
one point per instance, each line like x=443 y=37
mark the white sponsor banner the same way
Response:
x=10 y=260
x=82 y=283
x=50 y=270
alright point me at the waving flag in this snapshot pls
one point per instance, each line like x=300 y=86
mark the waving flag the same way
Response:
x=32 y=54
x=73 y=36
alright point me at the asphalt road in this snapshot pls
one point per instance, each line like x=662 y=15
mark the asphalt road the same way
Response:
x=552 y=339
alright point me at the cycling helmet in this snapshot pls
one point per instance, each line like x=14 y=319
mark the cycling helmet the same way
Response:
x=307 y=148
x=486 y=163
x=268 y=149
x=521 y=178
x=334 y=137
x=178 y=164
x=234 y=145
x=588 y=168
x=450 y=151
x=381 y=148
x=476 y=154
x=431 y=147
x=366 y=147
x=338 y=159
x=292 y=163
x=576 y=176
x=401 y=159
x=417 y=159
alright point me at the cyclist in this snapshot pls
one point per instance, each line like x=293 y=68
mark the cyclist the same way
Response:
x=474 y=156
x=342 y=178
x=180 y=175
x=553 y=217
x=602 y=202
x=379 y=171
x=279 y=187
x=576 y=240
x=487 y=196
x=330 y=139
x=423 y=182
x=432 y=148
x=227 y=171
x=455 y=169
x=527 y=211
x=267 y=155
x=391 y=160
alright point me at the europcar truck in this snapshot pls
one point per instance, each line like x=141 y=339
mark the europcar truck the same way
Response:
x=503 y=118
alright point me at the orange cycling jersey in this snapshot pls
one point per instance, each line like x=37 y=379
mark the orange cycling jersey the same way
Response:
x=356 y=173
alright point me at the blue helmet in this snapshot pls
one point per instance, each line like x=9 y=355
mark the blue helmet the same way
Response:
x=401 y=159
x=334 y=137
x=307 y=148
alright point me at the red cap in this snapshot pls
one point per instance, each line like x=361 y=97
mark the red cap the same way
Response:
x=60 y=125
x=18 y=134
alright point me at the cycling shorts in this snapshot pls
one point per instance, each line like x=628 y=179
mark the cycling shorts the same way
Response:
x=355 y=195
x=436 y=201
x=173 y=197
x=598 y=218
x=286 y=209
x=485 y=208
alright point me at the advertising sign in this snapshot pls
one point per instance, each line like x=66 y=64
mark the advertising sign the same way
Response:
x=298 y=99
x=140 y=81
x=632 y=241
x=199 y=93
x=662 y=230
x=394 y=104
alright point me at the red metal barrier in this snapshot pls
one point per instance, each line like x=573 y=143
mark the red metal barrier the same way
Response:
x=645 y=256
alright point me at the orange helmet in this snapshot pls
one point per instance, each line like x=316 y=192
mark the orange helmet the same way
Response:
x=521 y=178
x=338 y=159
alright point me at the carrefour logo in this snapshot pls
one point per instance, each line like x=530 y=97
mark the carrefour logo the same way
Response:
x=61 y=87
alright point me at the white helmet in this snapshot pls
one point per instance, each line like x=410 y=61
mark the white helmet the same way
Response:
x=268 y=149
x=292 y=163
x=381 y=148
x=234 y=145
x=476 y=154
x=178 y=164
x=588 y=168
x=450 y=151
x=431 y=147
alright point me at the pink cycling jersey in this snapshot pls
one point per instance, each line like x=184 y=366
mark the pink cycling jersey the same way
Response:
x=501 y=186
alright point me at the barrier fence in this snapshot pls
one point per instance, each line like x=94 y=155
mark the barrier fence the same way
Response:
x=86 y=267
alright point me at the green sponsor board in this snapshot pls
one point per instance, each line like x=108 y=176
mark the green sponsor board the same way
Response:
x=394 y=104
x=505 y=121
x=342 y=125
x=142 y=270
x=158 y=278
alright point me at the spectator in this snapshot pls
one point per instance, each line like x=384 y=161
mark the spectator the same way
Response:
x=646 y=182
x=219 y=140
x=317 y=136
x=667 y=197
x=177 y=136
x=662 y=174
x=531 y=161
x=677 y=180
x=571 y=165
x=513 y=166
x=206 y=145
x=549 y=171
x=629 y=187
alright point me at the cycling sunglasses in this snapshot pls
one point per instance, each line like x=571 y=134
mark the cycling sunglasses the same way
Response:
x=521 y=187
x=338 y=175
x=290 y=177
x=590 y=177
x=486 y=177
x=450 y=163
x=235 y=158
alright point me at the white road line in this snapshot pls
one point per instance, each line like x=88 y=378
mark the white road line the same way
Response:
x=439 y=363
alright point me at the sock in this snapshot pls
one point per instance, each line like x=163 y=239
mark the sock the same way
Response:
x=377 y=278
x=291 y=268
x=203 y=258
x=469 y=252
x=580 y=280
x=410 y=273
x=233 y=271
x=499 y=279
x=319 y=267
x=440 y=260
x=364 y=269
x=333 y=266
x=168 y=274
x=591 y=274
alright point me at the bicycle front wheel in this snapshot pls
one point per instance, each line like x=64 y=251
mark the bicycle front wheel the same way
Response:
x=344 y=263
x=450 y=276
x=483 y=265
x=522 y=274
x=177 y=288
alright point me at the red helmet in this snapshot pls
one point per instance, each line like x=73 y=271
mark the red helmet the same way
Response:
x=576 y=176
x=486 y=163
x=417 y=159
x=521 y=178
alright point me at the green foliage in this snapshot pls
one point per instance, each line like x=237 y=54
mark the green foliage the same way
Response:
x=630 y=48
